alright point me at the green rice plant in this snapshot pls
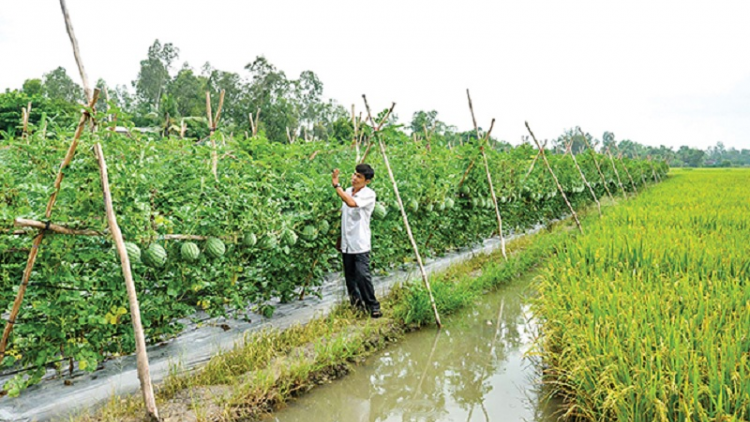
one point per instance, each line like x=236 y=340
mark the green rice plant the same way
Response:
x=646 y=317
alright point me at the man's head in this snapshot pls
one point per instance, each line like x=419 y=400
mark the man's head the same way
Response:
x=362 y=176
x=365 y=170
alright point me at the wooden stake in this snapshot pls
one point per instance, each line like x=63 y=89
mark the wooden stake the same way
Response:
x=559 y=187
x=135 y=312
x=635 y=189
x=653 y=172
x=489 y=177
x=289 y=136
x=56 y=228
x=252 y=123
x=533 y=162
x=403 y=214
x=213 y=122
x=583 y=176
x=257 y=122
x=596 y=164
x=619 y=181
x=355 y=139
x=76 y=53
x=25 y=113
x=38 y=239
x=375 y=128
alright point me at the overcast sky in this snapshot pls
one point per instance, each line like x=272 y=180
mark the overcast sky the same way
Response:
x=656 y=72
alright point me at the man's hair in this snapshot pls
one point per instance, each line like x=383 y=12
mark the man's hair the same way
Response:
x=365 y=170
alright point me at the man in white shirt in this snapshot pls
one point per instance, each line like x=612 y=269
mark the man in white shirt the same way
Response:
x=354 y=244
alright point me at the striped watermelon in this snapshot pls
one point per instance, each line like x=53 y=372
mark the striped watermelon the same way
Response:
x=309 y=233
x=289 y=237
x=249 y=239
x=324 y=227
x=269 y=242
x=134 y=252
x=190 y=252
x=155 y=256
x=215 y=248
x=379 y=212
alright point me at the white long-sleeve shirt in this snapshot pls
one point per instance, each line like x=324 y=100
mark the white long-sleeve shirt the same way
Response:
x=355 y=222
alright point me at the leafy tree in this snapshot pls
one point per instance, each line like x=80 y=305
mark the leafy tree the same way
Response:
x=33 y=87
x=153 y=76
x=59 y=86
x=188 y=91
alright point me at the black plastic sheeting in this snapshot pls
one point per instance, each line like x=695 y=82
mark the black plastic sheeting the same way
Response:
x=53 y=400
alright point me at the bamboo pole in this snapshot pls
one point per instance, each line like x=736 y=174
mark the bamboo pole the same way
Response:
x=252 y=123
x=135 y=312
x=288 y=136
x=489 y=176
x=583 y=176
x=38 y=239
x=596 y=164
x=376 y=129
x=76 y=52
x=403 y=212
x=213 y=122
x=56 y=228
x=355 y=140
x=559 y=187
x=533 y=162
x=25 y=113
x=653 y=172
x=635 y=189
x=619 y=181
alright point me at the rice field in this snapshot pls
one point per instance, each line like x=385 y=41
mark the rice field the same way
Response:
x=646 y=317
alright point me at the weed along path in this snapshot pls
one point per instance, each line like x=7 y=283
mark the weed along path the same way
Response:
x=474 y=369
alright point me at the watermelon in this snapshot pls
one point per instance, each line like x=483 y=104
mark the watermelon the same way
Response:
x=155 y=256
x=215 y=248
x=379 y=212
x=413 y=205
x=189 y=252
x=269 y=242
x=289 y=237
x=474 y=202
x=249 y=239
x=324 y=227
x=134 y=252
x=309 y=233
x=449 y=203
x=429 y=207
x=465 y=189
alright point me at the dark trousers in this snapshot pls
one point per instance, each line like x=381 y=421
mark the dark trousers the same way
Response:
x=359 y=281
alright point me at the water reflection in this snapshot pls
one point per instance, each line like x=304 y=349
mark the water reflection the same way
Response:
x=472 y=370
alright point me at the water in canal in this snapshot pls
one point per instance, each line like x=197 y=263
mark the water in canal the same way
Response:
x=474 y=369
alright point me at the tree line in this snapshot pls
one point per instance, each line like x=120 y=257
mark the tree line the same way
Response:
x=171 y=100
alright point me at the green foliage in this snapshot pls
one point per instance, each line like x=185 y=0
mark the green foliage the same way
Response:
x=54 y=113
x=59 y=86
x=266 y=192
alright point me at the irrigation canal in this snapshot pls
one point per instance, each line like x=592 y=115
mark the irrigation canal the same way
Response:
x=474 y=369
